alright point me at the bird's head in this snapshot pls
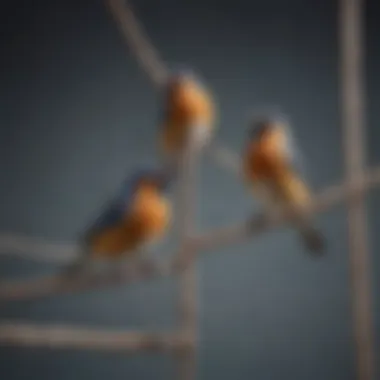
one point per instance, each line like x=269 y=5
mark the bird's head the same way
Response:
x=263 y=126
x=264 y=120
x=259 y=128
x=180 y=80
x=158 y=179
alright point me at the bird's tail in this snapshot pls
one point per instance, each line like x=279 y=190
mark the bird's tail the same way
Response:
x=295 y=192
x=312 y=239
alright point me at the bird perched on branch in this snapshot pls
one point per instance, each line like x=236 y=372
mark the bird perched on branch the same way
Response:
x=138 y=216
x=188 y=107
x=270 y=168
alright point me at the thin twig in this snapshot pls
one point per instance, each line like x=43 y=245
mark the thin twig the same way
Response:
x=132 y=30
x=322 y=202
x=67 y=337
x=47 y=286
x=155 y=67
x=187 y=297
x=224 y=157
x=37 y=249
x=53 y=285
x=186 y=194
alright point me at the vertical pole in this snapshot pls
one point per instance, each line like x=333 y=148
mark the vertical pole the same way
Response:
x=187 y=303
x=351 y=15
x=189 y=324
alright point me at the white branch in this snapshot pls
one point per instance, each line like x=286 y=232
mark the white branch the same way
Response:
x=52 y=285
x=351 y=29
x=37 y=249
x=187 y=299
x=186 y=187
x=328 y=198
x=138 y=41
x=56 y=336
x=225 y=157
x=46 y=286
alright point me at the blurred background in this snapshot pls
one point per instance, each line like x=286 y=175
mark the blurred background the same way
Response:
x=77 y=114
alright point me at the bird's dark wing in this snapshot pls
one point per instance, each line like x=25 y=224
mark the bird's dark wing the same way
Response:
x=112 y=215
x=113 y=212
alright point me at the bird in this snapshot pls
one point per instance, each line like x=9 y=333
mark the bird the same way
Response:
x=271 y=169
x=138 y=216
x=187 y=107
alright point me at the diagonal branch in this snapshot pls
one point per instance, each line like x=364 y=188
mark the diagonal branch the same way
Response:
x=224 y=157
x=66 y=337
x=37 y=249
x=53 y=285
x=327 y=198
x=47 y=286
x=139 y=43
x=149 y=59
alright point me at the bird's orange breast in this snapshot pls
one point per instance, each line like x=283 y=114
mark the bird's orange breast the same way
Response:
x=152 y=213
x=114 y=241
x=147 y=220
x=192 y=103
x=265 y=163
x=262 y=162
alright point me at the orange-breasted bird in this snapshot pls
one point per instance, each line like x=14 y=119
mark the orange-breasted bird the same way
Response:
x=138 y=216
x=270 y=168
x=188 y=107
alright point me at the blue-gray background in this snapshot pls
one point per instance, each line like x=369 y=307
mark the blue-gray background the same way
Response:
x=77 y=113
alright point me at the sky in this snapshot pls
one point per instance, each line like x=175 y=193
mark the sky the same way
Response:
x=78 y=114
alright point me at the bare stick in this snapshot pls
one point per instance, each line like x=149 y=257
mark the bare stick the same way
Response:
x=351 y=29
x=53 y=285
x=66 y=337
x=139 y=43
x=186 y=194
x=327 y=198
x=37 y=249
x=224 y=157
x=46 y=286
x=149 y=59
x=187 y=302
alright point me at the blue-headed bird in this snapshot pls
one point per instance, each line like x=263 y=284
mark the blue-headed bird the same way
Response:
x=270 y=169
x=137 y=217
x=188 y=107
